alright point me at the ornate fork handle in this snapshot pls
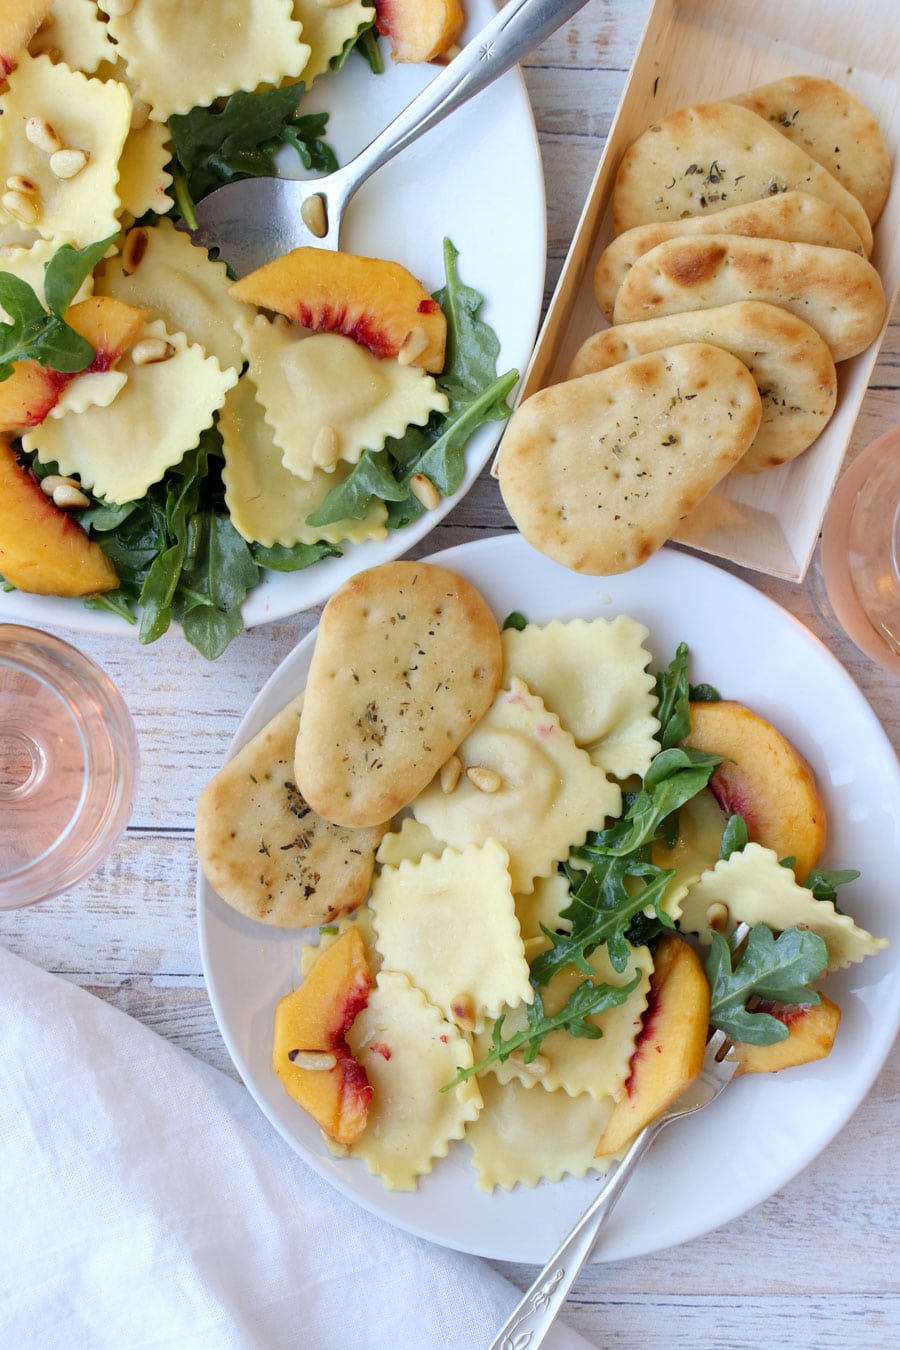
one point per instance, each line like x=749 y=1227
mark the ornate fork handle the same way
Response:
x=540 y=1305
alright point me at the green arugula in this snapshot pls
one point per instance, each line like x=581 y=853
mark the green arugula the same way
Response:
x=241 y=140
x=674 y=695
x=179 y=557
x=41 y=334
x=778 y=969
x=586 y=1000
x=476 y=395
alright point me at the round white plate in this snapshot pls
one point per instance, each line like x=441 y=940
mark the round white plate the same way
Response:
x=763 y=1130
x=475 y=179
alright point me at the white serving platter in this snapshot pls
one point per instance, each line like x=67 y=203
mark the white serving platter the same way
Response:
x=695 y=51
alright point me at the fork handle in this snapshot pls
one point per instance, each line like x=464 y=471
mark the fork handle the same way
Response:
x=538 y=1308
x=519 y=27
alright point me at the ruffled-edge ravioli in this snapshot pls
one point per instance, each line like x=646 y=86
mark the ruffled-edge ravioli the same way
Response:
x=28 y=263
x=327 y=398
x=701 y=822
x=328 y=27
x=269 y=504
x=157 y=417
x=450 y=925
x=757 y=889
x=410 y=843
x=74 y=33
x=143 y=180
x=542 y=906
x=184 y=54
x=523 y=1136
x=550 y=793
x=88 y=114
x=161 y=270
x=93 y=389
x=574 y=1063
x=593 y=673
x=409 y=1052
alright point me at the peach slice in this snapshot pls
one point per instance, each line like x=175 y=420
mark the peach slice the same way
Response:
x=310 y=1053
x=377 y=303
x=18 y=25
x=42 y=549
x=109 y=325
x=419 y=30
x=668 y=1054
x=813 y=1028
x=764 y=779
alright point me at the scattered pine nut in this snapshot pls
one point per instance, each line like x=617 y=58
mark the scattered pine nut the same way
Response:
x=326 y=447
x=450 y=774
x=313 y=1059
x=413 y=345
x=537 y=1068
x=134 y=249
x=117 y=8
x=51 y=481
x=312 y=213
x=66 y=164
x=150 y=351
x=69 y=498
x=717 y=916
x=41 y=134
x=22 y=206
x=485 y=780
x=462 y=1006
x=16 y=183
x=425 y=491
x=140 y=113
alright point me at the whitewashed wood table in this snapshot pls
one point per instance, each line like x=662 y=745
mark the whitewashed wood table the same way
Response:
x=816 y=1265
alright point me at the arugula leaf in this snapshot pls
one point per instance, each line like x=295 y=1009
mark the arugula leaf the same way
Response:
x=515 y=620
x=734 y=836
x=673 y=778
x=674 y=694
x=218 y=145
x=778 y=969
x=40 y=334
x=586 y=1000
x=824 y=883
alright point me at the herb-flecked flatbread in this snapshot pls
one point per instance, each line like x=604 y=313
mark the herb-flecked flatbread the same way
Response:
x=262 y=847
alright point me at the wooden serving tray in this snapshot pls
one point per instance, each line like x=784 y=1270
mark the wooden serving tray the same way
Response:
x=695 y=51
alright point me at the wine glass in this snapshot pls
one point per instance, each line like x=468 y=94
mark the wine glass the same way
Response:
x=859 y=560
x=68 y=765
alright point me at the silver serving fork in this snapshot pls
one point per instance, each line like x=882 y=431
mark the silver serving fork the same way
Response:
x=536 y=1312
x=254 y=220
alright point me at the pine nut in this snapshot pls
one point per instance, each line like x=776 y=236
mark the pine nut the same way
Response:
x=41 y=134
x=450 y=774
x=536 y=1069
x=312 y=1059
x=150 y=351
x=717 y=916
x=413 y=345
x=485 y=780
x=462 y=1006
x=116 y=9
x=140 y=113
x=51 y=481
x=23 y=207
x=66 y=164
x=312 y=213
x=69 y=498
x=16 y=183
x=425 y=491
x=133 y=250
x=326 y=447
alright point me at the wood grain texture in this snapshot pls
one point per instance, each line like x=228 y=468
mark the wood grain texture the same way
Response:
x=814 y=1266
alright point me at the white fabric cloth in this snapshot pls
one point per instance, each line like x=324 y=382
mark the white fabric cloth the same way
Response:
x=145 y=1202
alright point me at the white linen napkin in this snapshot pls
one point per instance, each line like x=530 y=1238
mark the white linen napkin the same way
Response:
x=145 y=1201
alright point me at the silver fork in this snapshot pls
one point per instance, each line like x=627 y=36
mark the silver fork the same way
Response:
x=537 y=1310
x=254 y=220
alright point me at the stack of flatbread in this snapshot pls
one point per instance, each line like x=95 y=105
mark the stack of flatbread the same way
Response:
x=742 y=230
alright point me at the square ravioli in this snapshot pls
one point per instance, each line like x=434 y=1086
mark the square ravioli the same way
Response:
x=593 y=673
x=450 y=924
x=548 y=794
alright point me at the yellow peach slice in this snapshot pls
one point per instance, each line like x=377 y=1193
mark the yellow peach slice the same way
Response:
x=669 y=1051
x=377 y=303
x=812 y=1027
x=109 y=325
x=42 y=549
x=764 y=779
x=310 y=1053
x=419 y=30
